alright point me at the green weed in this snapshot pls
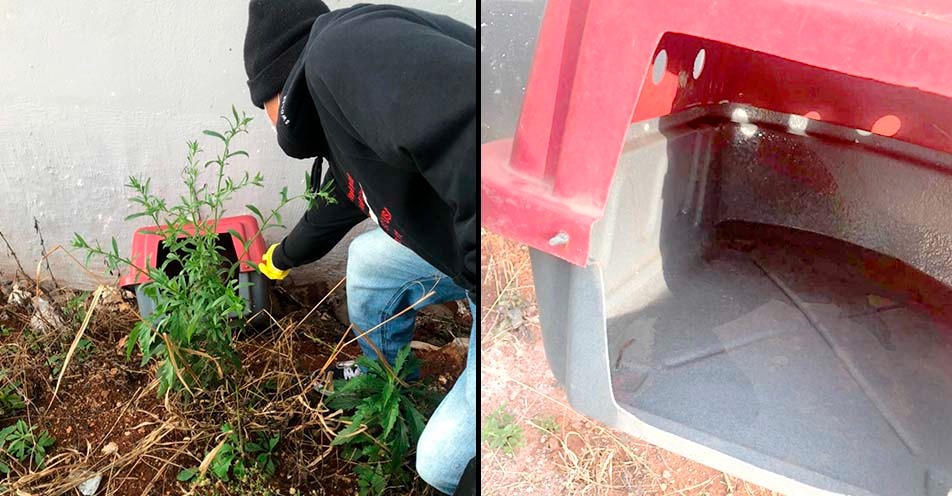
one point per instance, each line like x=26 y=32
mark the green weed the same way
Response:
x=20 y=443
x=10 y=399
x=501 y=432
x=386 y=421
x=546 y=424
x=76 y=308
x=237 y=460
x=190 y=334
x=83 y=349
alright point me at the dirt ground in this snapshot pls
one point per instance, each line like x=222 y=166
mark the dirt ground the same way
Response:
x=563 y=452
x=106 y=416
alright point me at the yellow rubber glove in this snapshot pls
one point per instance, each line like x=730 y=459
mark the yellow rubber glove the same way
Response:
x=267 y=267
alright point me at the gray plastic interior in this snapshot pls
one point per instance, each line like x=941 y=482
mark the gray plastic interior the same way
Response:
x=253 y=288
x=773 y=302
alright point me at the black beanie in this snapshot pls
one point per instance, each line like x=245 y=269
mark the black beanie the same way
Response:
x=277 y=33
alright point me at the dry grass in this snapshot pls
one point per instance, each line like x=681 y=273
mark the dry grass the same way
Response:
x=271 y=394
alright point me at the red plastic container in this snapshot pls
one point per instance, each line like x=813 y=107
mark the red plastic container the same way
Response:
x=147 y=253
x=740 y=215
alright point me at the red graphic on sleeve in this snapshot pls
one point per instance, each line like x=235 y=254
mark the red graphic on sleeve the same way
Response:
x=350 y=188
x=360 y=200
x=397 y=236
x=385 y=217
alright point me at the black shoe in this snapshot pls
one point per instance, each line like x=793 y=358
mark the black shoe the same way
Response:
x=345 y=370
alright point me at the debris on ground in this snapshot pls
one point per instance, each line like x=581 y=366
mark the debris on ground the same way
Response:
x=115 y=437
x=90 y=485
x=19 y=297
x=46 y=316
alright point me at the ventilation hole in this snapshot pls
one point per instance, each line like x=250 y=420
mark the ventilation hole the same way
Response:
x=887 y=125
x=699 y=63
x=660 y=64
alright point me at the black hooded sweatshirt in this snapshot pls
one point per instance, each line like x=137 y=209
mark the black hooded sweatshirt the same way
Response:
x=388 y=96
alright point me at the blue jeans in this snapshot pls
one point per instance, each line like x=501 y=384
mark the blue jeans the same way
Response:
x=384 y=278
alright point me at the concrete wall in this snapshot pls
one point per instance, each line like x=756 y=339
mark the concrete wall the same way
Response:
x=93 y=92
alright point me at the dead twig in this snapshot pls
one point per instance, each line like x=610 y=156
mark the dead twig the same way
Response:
x=36 y=227
x=79 y=335
x=14 y=255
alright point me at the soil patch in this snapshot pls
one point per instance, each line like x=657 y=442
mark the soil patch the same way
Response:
x=107 y=419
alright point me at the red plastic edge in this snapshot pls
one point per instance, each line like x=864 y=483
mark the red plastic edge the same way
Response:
x=145 y=247
x=592 y=70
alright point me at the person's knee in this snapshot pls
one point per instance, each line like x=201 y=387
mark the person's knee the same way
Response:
x=367 y=254
x=448 y=443
x=431 y=464
x=359 y=255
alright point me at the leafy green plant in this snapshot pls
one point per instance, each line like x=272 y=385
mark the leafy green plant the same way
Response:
x=190 y=334
x=546 y=424
x=237 y=459
x=5 y=331
x=263 y=452
x=76 y=308
x=502 y=432
x=387 y=420
x=20 y=443
x=10 y=399
x=83 y=349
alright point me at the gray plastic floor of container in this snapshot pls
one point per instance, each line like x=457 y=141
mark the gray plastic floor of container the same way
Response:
x=790 y=350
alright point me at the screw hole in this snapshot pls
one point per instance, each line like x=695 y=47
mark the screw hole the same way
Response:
x=887 y=125
x=660 y=64
x=699 y=63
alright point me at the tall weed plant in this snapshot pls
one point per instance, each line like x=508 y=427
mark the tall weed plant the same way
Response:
x=190 y=334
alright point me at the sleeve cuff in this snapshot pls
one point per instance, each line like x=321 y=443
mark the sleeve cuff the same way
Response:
x=280 y=259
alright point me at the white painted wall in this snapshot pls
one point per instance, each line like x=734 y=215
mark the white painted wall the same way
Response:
x=93 y=92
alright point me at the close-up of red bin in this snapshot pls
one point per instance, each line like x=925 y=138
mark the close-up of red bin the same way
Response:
x=740 y=216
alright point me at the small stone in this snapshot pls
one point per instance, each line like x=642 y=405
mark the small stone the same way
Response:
x=554 y=443
x=69 y=429
x=292 y=491
x=420 y=345
x=666 y=474
x=110 y=448
x=664 y=487
x=126 y=433
x=90 y=485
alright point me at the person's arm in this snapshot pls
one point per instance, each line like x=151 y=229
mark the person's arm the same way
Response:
x=319 y=230
x=409 y=91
